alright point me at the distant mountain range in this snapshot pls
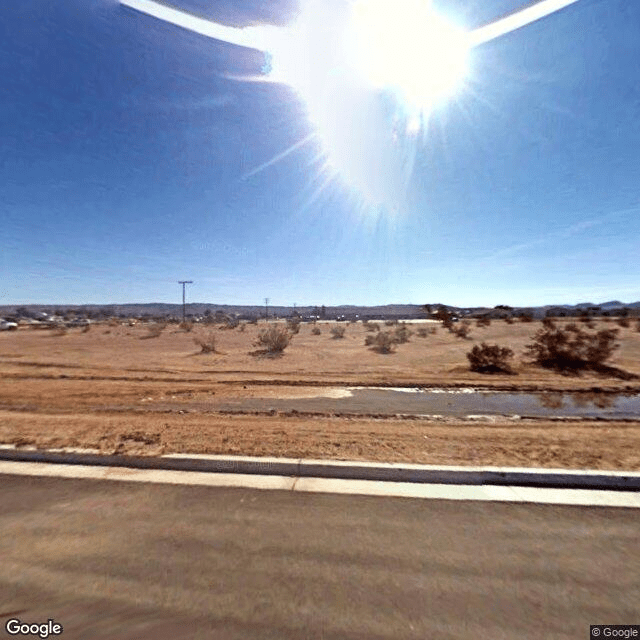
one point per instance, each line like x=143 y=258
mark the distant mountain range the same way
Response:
x=154 y=309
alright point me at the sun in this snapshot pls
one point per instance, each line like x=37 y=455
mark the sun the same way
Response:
x=370 y=73
x=406 y=46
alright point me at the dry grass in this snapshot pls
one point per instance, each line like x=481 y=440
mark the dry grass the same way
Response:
x=92 y=386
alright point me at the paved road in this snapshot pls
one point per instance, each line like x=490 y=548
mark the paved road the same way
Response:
x=125 y=561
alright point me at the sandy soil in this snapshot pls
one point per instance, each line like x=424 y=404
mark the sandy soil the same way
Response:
x=113 y=389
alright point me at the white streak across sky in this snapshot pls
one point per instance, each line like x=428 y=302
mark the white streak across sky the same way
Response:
x=517 y=20
x=259 y=37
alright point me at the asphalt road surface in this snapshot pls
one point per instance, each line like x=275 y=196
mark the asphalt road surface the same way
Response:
x=125 y=561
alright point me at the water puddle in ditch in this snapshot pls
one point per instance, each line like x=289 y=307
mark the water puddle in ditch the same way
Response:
x=465 y=402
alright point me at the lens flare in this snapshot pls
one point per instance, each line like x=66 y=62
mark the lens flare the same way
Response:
x=370 y=73
x=405 y=45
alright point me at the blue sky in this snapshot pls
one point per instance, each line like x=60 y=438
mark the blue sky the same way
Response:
x=126 y=144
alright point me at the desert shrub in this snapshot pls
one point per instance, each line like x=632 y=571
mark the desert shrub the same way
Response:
x=274 y=339
x=372 y=326
x=242 y=326
x=382 y=342
x=402 y=334
x=338 y=331
x=293 y=324
x=316 y=331
x=86 y=328
x=485 y=321
x=59 y=330
x=526 y=317
x=186 y=326
x=571 y=347
x=390 y=323
x=114 y=322
x=154 y=330
x=446 y=317
x=638 y=326
x=252 y=321
x=509 y=319
x=490 y=358
x=229 y=322
x=461 y=330
x=207 y=342
x=548 y=323
x=623 y=322
x=422 y=332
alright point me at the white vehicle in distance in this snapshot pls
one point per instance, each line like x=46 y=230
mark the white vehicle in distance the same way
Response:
x=6 y=325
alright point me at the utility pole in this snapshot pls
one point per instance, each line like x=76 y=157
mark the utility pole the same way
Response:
x=266 y=308
x=184 y=307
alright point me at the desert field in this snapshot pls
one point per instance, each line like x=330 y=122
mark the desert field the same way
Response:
x=120 y=388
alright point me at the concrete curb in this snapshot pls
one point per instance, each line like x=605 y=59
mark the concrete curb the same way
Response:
x=478 y=476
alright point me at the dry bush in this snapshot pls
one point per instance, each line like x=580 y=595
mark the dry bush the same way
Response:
x=186 y=326
x=59 y=330
x=490 y=358
x=274 y=339
x=485 y=321
x=338 y=331
x=114 y=322
x=86 y=328
x=293 y=324
x=623 y=322
x=382 y=342
x=229 y=322
x=526 y=317
x=242 y=327
x=446 y=317
x=316 y=331
x=422 y=332
x=571 y=348
x=154 y=330
x=402 y=334
x=586 y=320
x=390 y=323
x=461 y=330
x=372 y=326
x=509 y=319
x=207 y=342
x=638 y=326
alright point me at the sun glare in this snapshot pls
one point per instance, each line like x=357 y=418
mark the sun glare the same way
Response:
x=369 y=73
x=406 y=46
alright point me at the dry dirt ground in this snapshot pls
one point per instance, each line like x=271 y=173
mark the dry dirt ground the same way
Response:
x=114 y=389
